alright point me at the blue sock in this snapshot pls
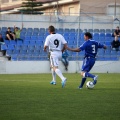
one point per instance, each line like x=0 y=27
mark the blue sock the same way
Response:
x=89 y=75
x=82 y=82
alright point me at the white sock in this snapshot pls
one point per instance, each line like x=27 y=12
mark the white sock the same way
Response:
x=53 y=75
x=59 y=73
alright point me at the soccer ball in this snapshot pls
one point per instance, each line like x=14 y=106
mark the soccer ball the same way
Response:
x=89 y=85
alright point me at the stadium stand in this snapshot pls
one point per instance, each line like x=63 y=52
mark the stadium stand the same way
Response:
x=31 y=48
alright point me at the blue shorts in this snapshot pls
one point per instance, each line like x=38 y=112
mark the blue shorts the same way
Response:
x=88 y=63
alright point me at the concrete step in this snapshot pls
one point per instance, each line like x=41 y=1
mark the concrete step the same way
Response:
x=3 y=58
x=1 y=54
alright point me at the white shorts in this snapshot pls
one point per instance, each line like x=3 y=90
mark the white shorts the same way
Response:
x=54 y=58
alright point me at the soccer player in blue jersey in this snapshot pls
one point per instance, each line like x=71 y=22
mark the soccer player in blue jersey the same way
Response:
x=90 y=47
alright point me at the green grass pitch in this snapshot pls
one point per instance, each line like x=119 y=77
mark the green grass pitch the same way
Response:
x=31 y=97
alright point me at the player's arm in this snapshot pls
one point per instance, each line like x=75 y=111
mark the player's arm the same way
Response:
x=45 y=48
x=22 y=27
x=64 y=47
x=46 y=44
x=104 y=47
x=73 y=49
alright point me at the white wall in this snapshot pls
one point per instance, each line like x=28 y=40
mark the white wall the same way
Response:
x=19 y=67
x=40 y=21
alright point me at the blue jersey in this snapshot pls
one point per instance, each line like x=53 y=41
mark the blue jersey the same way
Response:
x=91 y=48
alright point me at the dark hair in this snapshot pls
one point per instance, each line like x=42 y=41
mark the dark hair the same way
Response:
x=89 y=35
x=16 y=27
x=117 y=26
x=8 y=27
x=51 y=28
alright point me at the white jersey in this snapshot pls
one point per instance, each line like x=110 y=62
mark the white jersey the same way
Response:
x=55 y=42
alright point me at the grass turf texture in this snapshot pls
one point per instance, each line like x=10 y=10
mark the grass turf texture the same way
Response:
x=31 y=97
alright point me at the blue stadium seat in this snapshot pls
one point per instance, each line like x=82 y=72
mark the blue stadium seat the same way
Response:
x=90 y=30
x=29 y=33
x=35 y=33
x=7 y=42
x=21 y=58
x=72 y=37
x=34 y=38
x=101 y=58
x=60 y=30
x=22 y=33
x=70 y=42
x=80 y=30
x=32 y=42
x=109 y=39
x=22 y=37
x=96 y=30
x=18 y=47
x=42 y=31
x=41 y=38
x=3 y=34
x=23 y=52
x=12 y=42
x=30 y=52
x=19 y=42
x=67 y=30
x=36 y=30
x=38 y=42
x=72 y=30
x=66 y=34
x=114 y=53
x=25 y=47
x=102 y=30
x=113 y=30
x=108 y=43
x=108 y=31
x=4 y=29
x=31 y=47
x=82 y=35
x=14 y=57
x=24 y=30
x=108 y=35
x=16 y=52
x=102 y=35
x=4 y=47
x=26 y=42
x=96 y=36
x=114 y=58
x=11 y=47
x=9 y=52
x=27 y=37
x=37 y=47
x=29 y=30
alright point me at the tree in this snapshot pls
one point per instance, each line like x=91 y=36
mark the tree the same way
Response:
x=31 y=7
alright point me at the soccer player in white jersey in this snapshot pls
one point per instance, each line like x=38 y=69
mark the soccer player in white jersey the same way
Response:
x=56 y=44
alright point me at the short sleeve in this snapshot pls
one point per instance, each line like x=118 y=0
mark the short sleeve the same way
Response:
x=83 y=46
x=63 y=40
x=46 y=41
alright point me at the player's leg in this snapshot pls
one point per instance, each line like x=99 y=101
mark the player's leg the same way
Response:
x=87 y=67
x=82 y=82
x=55 y=61
x=53 y=73
x=83 y=78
